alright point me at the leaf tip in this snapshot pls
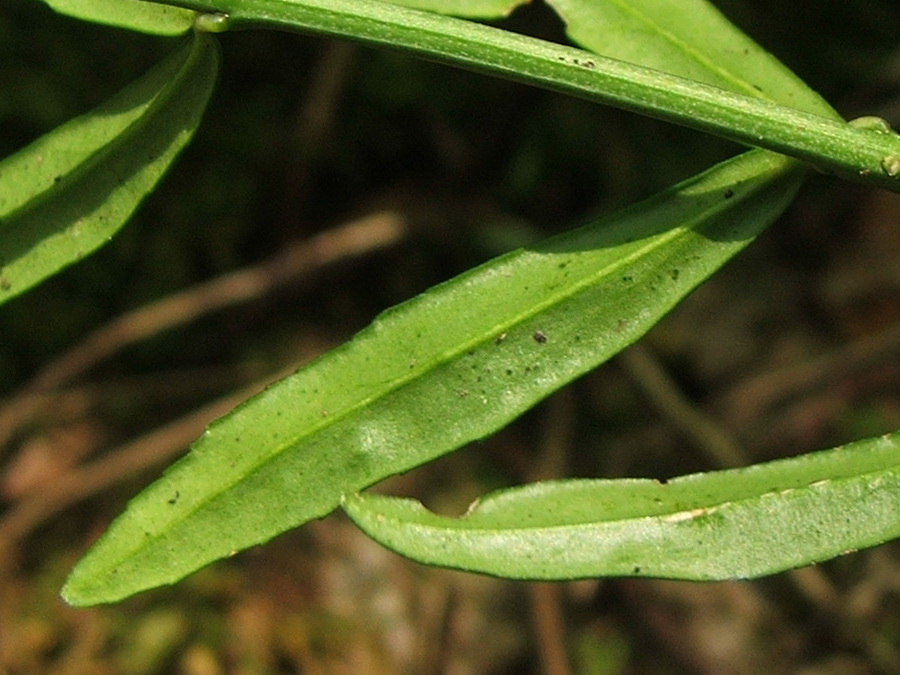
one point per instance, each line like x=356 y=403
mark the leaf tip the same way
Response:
x=75 y=594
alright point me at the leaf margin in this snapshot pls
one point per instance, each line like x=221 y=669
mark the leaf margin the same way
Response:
x=820 y=514
x=318 y=451
x=135 y=15
x=69 y=204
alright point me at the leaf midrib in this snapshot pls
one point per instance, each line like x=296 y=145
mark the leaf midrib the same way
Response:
x=404 y=380
x=741 y=84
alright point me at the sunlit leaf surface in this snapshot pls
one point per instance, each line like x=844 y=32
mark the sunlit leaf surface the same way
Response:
x=138 y=15
x=731 y=524
x=469 y=8
x=446 y=368
x=453 y=365
x=689 y=38
x=70 y=191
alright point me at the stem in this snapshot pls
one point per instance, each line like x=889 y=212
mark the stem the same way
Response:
x=861 y=153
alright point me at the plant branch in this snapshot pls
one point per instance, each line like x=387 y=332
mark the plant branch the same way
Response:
x=864 y=153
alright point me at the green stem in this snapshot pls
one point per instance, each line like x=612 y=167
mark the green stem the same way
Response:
x=861 y=153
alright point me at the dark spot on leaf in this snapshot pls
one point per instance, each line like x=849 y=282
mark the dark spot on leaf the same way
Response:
x=673 y=274
x=174 y=499
x=627 y=279
x=540 y=337
x=636 y=570
x=729 y=194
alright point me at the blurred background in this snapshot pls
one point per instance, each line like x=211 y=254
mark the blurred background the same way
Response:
x=330 y=182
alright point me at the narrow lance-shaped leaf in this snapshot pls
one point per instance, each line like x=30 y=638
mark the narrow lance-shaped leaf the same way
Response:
x=135 y=15
x=476 y=9
x=854 y=153
x=690 y=38
x=70 y=191
x=739 y=523
x=334 y=480
x=448 y=367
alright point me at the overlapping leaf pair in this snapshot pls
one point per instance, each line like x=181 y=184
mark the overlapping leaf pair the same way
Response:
x=463 y=359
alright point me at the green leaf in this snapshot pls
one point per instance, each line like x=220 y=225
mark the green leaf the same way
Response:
x=443 y=369
x=70 y=191
x=739 y=523
x=689 y=38
x=137 y=15
x=829 y=144
x=476 y=9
